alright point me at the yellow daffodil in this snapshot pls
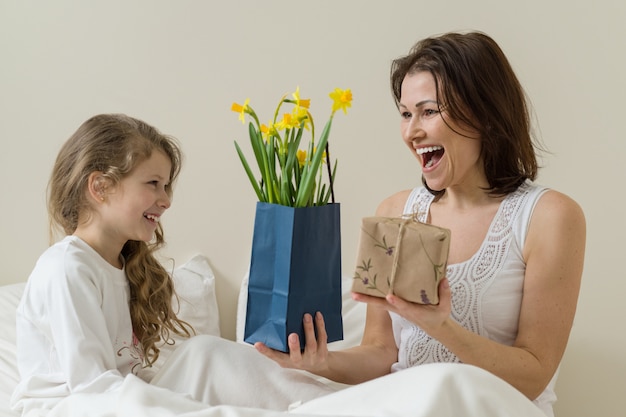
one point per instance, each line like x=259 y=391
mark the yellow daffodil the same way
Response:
x=302 y=115
x=268 y=131
x=301 y=155
x=323 y=154
x=242 y=110
x=306 y=103
x=342 y=99
x=291 y=176
x=288 y=122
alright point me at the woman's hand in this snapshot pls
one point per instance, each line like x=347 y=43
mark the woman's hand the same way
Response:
x=315 y=355
x=430 y=318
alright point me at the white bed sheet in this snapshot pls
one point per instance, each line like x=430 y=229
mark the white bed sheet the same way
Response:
x=9 y=297
x=432 y=390
x=441 y=390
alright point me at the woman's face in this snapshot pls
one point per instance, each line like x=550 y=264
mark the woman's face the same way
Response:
x=448 y=153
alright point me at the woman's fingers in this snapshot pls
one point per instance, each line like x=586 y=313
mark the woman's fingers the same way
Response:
x=309 y=334
x=426 y=316
x=315 y=346
x=320 y=325
x=283 y=359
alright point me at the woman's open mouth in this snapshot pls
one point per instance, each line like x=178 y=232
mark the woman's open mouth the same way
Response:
x=430 y=155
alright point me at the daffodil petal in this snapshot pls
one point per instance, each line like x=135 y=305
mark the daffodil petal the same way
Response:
x=342 y=99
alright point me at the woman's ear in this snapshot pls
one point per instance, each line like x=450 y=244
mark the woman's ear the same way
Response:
x=97 y=185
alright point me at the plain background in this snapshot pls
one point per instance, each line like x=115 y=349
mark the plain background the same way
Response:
x=180 y=64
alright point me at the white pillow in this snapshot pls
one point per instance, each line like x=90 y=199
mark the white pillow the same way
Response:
x=194 y=282
x=9 y=299
x=353 y=314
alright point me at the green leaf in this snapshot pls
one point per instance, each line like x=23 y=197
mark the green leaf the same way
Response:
x=308 y=178
x=332 y=180
x=256 y=141
x=246 y=167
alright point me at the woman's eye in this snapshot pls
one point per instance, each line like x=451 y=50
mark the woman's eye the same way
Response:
x=405 y=115
x=430 y=112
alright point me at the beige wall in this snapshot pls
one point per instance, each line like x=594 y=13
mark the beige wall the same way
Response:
x=180 y=64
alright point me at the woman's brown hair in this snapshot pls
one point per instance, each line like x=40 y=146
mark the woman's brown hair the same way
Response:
x=115 y=144
x=478 y=87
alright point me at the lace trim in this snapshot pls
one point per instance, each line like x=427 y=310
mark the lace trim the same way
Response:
x=468 y=281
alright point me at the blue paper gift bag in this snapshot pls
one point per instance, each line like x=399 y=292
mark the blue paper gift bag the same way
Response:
x=295 y=268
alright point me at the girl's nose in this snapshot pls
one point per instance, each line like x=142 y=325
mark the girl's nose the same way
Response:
x=165 y=200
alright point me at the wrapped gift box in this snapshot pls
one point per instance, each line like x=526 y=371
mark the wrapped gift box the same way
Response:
x=401 y=256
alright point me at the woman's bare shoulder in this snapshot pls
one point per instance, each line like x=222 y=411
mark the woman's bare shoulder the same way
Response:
x=559 y=221
x=393 y=206
x=554 y=204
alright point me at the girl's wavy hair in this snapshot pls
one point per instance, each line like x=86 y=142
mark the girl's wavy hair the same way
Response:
x=115 y=144
x=477 y=86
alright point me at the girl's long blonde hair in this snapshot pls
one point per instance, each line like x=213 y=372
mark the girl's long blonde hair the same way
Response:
x=115 y=144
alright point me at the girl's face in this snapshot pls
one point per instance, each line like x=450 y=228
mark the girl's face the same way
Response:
x=135 y=206
x=448 y=158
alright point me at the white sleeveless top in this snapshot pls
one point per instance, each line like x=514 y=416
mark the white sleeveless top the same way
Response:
x=486 y=289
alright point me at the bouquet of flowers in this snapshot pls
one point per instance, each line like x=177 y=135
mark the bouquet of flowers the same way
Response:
x=291 y=176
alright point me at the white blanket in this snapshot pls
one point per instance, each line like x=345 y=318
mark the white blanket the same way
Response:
x=431 y=390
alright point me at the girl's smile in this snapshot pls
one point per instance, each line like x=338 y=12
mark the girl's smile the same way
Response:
x=130 y=210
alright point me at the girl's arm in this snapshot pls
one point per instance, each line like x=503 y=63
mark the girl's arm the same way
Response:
x=65 y=313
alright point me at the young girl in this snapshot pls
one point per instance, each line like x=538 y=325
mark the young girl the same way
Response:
x=98 y=302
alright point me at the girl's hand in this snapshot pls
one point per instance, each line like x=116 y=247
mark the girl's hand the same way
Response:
x=315 y=355
x=429 y=318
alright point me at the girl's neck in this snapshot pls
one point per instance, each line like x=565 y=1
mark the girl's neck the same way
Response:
x=108 y=252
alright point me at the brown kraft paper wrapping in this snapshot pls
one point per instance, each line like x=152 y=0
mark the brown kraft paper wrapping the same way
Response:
x=401 y=256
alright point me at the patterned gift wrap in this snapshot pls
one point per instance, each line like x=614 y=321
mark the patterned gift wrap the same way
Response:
x=401 y=256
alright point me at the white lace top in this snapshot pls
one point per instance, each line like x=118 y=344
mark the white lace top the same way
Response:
x=486 y=289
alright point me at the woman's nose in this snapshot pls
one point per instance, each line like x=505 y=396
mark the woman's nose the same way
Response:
x=413 y=129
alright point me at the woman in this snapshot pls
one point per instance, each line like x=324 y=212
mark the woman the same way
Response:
x=517 y=249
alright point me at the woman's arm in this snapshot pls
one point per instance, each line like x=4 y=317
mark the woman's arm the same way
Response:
x=554 y=254
x=371 y=359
